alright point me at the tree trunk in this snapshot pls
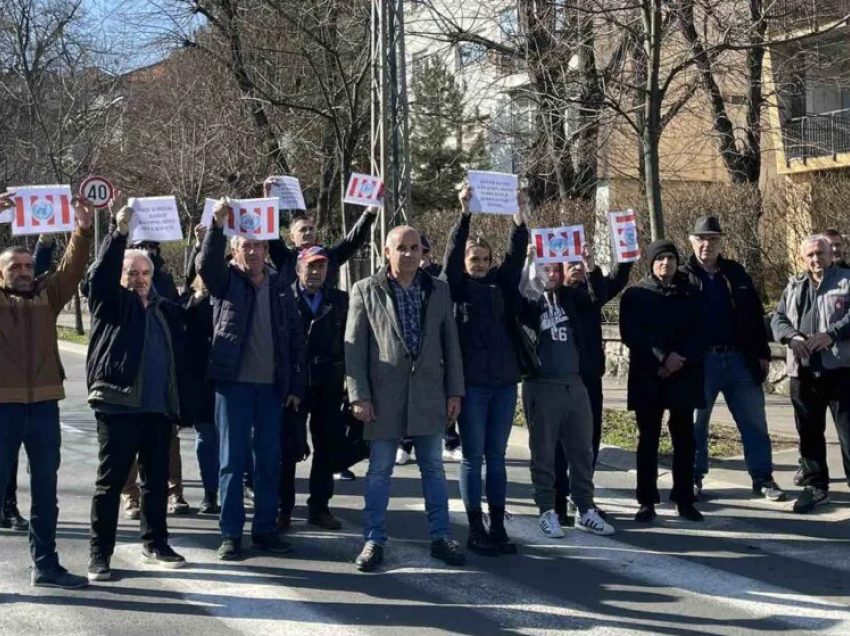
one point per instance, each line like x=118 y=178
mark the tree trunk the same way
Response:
x=652 y=183
x=78 y=314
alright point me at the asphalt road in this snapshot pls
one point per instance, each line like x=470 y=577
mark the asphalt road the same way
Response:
x=751 y=568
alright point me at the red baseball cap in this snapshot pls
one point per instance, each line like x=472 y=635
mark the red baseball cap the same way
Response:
x=312 y=254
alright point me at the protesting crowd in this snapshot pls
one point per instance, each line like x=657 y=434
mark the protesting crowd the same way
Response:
x=271 y=363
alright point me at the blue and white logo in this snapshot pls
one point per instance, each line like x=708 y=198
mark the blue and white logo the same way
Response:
x=558 y=244
x=367 y=188
x=42 y=210
x=250 y=221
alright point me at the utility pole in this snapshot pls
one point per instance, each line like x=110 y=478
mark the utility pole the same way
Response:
x=390 y=139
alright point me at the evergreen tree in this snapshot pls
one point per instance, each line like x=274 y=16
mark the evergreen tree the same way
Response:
x=439 y=157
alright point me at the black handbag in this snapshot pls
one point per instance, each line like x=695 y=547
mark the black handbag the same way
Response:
x=354 y=448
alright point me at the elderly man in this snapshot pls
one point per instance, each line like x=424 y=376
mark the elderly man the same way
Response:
x=836 y=244
x=734 y=339
x=257 y=364
x=323 y=312
x=405 y=379
x=302 y=233
x=134 y=362
x=813 y=321
x=31 y=383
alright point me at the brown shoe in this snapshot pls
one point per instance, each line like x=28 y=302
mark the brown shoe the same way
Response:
x=325 y=520
x=177 y=505
x=131 y=508
x=284 y=520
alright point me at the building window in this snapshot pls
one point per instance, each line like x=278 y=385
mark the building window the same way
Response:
x=469 y=53
x=509 y=23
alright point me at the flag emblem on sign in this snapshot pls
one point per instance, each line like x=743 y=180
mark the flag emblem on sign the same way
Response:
x=624 y=236
x=364 y=190
x=42 y=211
x=556 y=245
x=252 y=220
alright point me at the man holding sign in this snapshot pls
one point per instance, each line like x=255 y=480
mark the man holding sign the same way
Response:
x=31 y=382
x=302 y=233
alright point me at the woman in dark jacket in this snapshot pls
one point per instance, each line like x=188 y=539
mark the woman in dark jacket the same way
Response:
x=658 y=322
x=490 y=367
x=199 y=403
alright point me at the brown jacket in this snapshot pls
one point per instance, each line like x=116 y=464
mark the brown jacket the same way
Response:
x=30 y=368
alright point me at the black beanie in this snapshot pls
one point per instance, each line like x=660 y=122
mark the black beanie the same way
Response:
x=659 y=247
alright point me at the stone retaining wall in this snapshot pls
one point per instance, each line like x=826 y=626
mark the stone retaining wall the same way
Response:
x=617 y=361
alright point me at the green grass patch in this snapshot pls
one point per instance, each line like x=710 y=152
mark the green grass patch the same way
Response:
x=71 y=335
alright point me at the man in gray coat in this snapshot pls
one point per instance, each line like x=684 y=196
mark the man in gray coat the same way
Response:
x=405 y=379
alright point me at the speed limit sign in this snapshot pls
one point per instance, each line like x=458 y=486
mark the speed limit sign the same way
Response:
x=98 y=191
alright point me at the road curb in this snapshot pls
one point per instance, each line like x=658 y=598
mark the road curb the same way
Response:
x=70 y=347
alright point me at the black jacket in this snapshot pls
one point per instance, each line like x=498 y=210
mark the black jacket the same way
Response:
x=654 y=322
x=233 y=301
x=602 y=290
x=199 y=398
x=285 y=257
x=325 y=336
x=748 y=321
x=118 y=324
x=576 y=303
x=481 y=308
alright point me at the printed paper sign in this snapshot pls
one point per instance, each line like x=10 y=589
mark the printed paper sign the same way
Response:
x=6 y=216
x=207 y=216
x=559 y=244
x=493 y=192
x=155 y=219
x=42 y=210
x=288 y=192
x=624 y=236
x=364 y=189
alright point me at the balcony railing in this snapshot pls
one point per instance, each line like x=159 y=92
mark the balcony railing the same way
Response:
x=791 y=15
x=822 y=135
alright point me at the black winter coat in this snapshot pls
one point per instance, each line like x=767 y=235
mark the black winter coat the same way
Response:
x=285 y=258
x=657 y=319
x=199 y=392
x=602 y=290
x=233 y=299
x=118 y=324
x=481 y=308
x=325 y=337
x=748 y=320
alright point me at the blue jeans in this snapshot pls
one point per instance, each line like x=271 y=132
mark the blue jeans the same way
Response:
x=429 y=456
x=206 y=449
x=728 y=373
x=241 y=407
x=486 y=421
x=36 y=426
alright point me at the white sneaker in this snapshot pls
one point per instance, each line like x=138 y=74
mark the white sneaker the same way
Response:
x=454 y=454
x=402 y=457
x=591 y=522
x=550 y=526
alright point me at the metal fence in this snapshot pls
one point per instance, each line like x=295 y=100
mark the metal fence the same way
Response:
x=822 y=135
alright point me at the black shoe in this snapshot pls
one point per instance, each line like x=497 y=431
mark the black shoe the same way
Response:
x=687 y=511
x=324 y=519
x=177 y=505
x=162 y=556
x=498 y=534
x=11 y=517
x=479 y=541
x=270 y=543
x=57 y=577
x=447 y=551
x=811 y=498
x=230 y=549
x=99 y=569
x=645 y=514
x=209 y=506
x=370 y=557
x=770 y=490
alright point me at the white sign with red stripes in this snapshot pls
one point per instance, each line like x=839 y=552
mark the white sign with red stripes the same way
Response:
x=558 y=244
x=155 y=219
x=364 y=189
x=42 y=210
x=624 y=236
x=256 y=219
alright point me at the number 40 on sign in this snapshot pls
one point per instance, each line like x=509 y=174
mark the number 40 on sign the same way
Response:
x=98 y=191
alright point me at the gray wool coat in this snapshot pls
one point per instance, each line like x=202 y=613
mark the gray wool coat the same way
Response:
x=409 y=396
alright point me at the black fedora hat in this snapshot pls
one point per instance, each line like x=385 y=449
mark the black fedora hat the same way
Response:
x=707 y=225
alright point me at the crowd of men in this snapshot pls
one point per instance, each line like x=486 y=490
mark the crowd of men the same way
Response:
x=262 y=347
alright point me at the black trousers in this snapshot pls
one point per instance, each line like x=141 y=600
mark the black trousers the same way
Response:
x=562 y=477
x=11 y=494
x=681 y=425
x=811 y=396
x=121 y=438
x=322 y=404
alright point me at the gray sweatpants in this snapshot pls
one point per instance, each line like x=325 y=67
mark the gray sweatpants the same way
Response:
x=559 y=413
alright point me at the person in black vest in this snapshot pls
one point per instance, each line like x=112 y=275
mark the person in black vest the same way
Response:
x=323 y=312
x=658 y=323
x=585 y=275
x=133 y=366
